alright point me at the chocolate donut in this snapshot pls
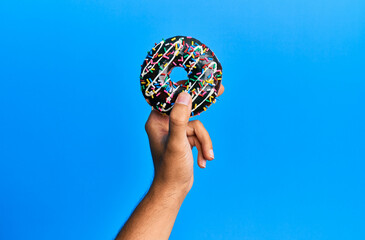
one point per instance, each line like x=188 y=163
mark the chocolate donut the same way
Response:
x=204 y=73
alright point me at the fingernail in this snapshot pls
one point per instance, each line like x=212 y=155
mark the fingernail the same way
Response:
x=204 y=163
x=183 y=98
x=211 y=153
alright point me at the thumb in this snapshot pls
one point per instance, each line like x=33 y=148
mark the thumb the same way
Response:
x=179 y=117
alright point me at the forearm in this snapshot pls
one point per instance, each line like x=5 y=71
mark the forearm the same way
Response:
x=155 y=215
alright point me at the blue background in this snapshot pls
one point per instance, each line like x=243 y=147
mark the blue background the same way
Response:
x=288 y=133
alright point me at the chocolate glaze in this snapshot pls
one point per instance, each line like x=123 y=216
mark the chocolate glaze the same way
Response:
x=204 y=74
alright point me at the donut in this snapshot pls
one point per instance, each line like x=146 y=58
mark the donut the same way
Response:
x=204 y=74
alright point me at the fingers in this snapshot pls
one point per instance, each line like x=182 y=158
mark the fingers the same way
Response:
x=156 y=123
x=196 y=128
x=179 y=117
x=202 y=162
x=221 y=90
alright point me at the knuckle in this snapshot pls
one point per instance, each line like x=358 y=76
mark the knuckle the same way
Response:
x=199 y=124
x=199 y=128
x=147 y=127
x=177 y=120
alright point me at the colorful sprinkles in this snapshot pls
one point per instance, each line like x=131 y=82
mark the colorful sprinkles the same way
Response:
x=204 y=74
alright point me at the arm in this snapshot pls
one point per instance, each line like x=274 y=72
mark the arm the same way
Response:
x=171 y=140
x=155 y=215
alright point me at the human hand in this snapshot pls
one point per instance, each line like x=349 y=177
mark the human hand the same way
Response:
x=171 y=141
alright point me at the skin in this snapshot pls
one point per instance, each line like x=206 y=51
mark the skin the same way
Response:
x=171 y=141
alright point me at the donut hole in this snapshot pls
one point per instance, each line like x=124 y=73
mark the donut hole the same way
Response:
x=178 y=75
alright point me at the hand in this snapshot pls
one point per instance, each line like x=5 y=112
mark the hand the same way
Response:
x=171 y=141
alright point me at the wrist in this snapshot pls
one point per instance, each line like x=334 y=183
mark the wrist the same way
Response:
x=165 y=190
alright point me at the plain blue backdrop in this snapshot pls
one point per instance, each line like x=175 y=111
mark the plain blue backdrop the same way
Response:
x=288 y=133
